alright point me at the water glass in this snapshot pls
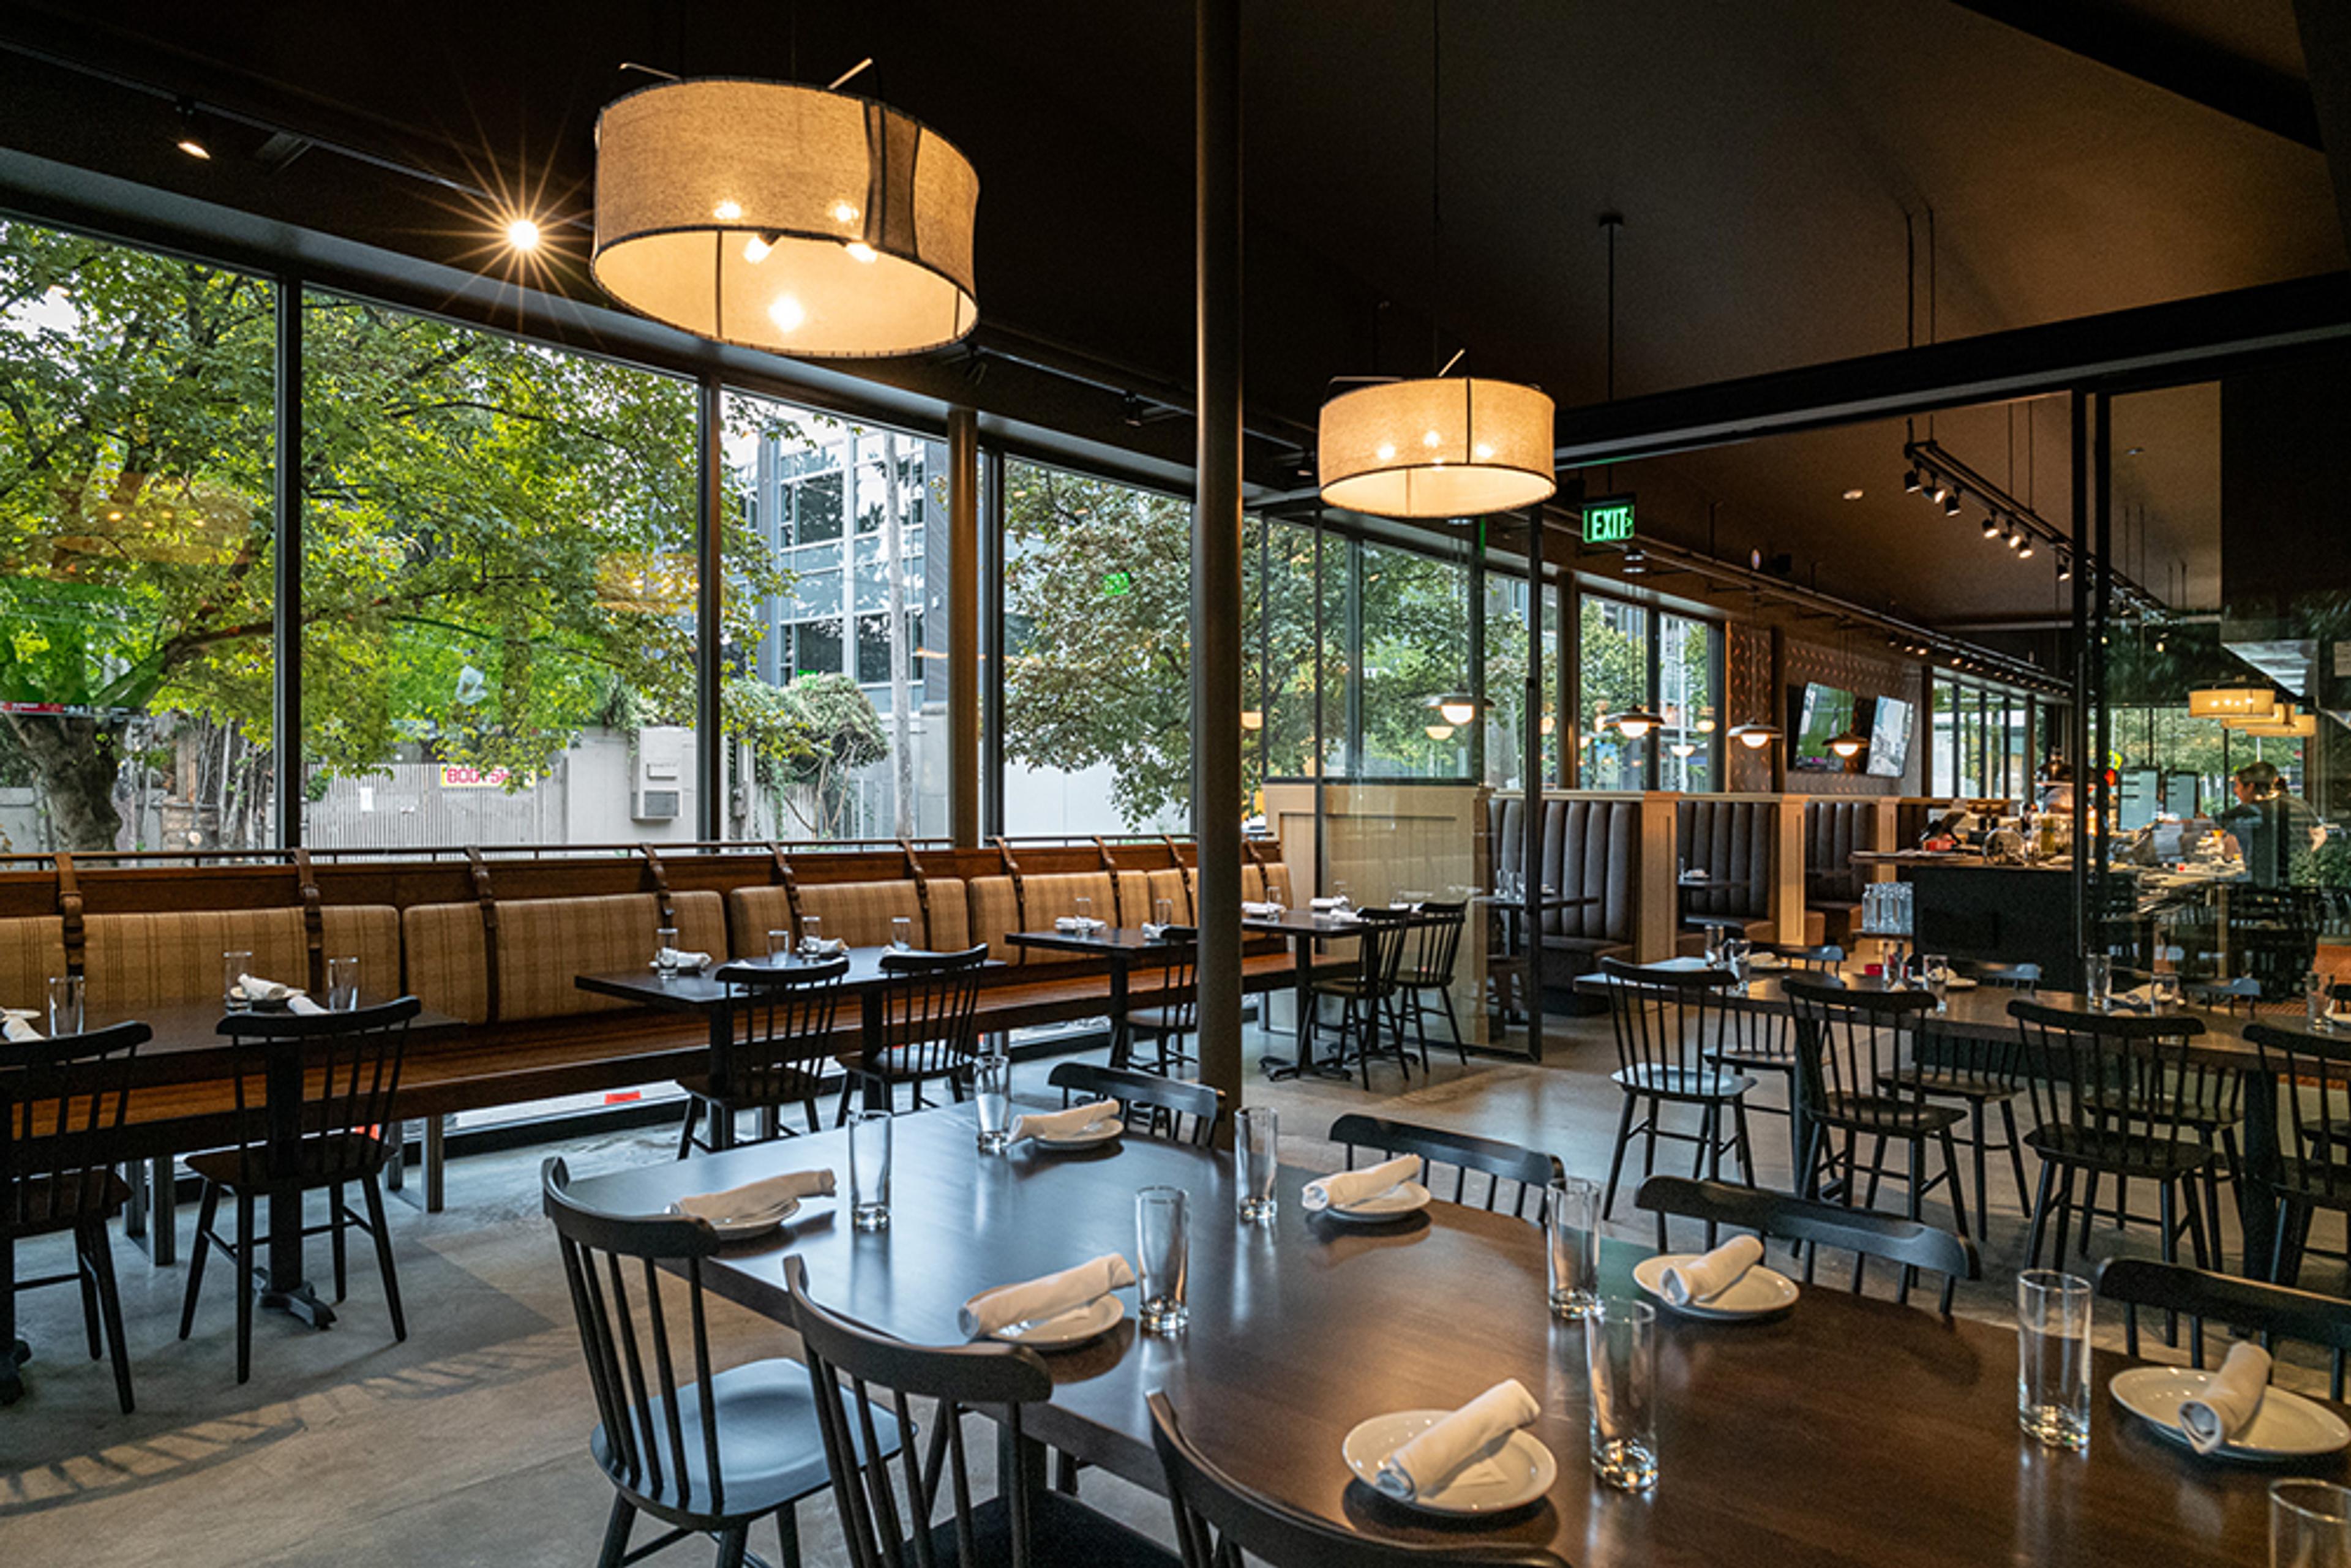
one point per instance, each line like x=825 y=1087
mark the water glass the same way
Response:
x=813 y=935
x=1736 y=952
x=2163 y=991
x=2314 y=998
x=1571 y=1227
x=1620 y=1347
x=780 y=946
x=65 y=1006
x=1937 y=968
x=901 y=932
x=1163 y=912
x=2310 y=1524
x=1161 y=1256
x=2052 y=1357
x=1257 y=1136
x=234 y=967
x=2098 y=981
x=665 y=950
x=1714 y=947
x=342 y=984
x=991 y=1092
x=869 y=1169
x=1083 y=908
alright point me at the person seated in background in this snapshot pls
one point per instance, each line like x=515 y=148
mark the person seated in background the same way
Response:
x=2273 y=829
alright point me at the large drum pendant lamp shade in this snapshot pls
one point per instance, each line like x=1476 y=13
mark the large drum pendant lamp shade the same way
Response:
x=2232 y=702
x=783 y=217
x=1445 y=447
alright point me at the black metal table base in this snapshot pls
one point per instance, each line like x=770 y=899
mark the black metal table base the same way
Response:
x=12 y=1387
x=301 y=1302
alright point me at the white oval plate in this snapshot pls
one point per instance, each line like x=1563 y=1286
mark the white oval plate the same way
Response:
x=1085 y=1138
x=2286 y=1427
x=1404 y=1198
x=741 y=1228
x=1765 y=962
x=1760 y=1291
x=1961 y=983
x=1076 y=1326
x=1513 y=1476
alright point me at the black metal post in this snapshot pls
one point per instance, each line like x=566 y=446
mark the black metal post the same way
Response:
x=963 y=627
x=2086 y=563
x=709 y=730
x=1477 y=648
x=2098 y=722
x=1530 y=820
x=286 y=459
x=991 y=685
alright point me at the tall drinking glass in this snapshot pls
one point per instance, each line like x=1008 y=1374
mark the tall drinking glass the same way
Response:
x=1938 y=970
x=2313 y=1002
x=342 y=984
x=869 y=1169
x=780 y=946
x=2098 y=980
x=1572 y=1229
x=665 y=950
x=2310 y=1524
x=1083 y=908
x=1620 y=1345
x=2052 y=1357
x=1257 y=1136
x=234 y=969
x=1162 y=1256
x=991 y=1092
x=2163 y=991
x=1163 y=912
x=813 y=935
x=901 y=932
x=65 y=1006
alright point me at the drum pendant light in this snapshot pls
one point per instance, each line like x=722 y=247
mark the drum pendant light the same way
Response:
x=792 y=218
x=2257 y=703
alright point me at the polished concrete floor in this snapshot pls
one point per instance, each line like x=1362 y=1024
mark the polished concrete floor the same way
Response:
x=467 y=1444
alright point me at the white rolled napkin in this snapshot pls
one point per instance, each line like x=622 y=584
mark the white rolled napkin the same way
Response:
x=258 y=991
x=1048 y=1297
x=756 y=1198
x=1077 y=923
x=1345 y=1189
x=18 y=1026
x=1324 y=905
x=1704 y=1277
x=1255 y=911
x=1062 y=1123
x=1471 y=1434
x=684 y=959
x=2230 y=1400
x=299 y=1003
x=827 y=947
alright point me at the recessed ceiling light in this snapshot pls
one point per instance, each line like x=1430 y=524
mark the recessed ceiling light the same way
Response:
x=1853 y=495
x=522 y=235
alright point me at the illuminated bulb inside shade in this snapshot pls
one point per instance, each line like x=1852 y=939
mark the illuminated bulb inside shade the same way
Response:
x=1847 y=745
x=1441 y=732
x=1252 y=718
x=1431 y=439
x=860 y=251
x=1387 y=450
x=727 y=212
x=523 y=235
x=1484 y=451
x=755 y=249
x=1683 y=748
x=843 y=212
x=787 y=314
x=195 y=149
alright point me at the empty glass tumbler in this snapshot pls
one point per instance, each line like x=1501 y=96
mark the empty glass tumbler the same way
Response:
x=665 y=949
x=2310 y=1524
x=2314 y=998
x=65 y=1006
x=813 y=935
x=1620 y=1345
x=342 y=984
x=1572 y=1230
x=1161 y=1256
x=901 y=932
x=2098 y=981
x=234 y=969
x=991 y=1094
x=2052 y=1357
x=780 y=946
x=1163 y=912
x=869 y=1169
x=1257 y=1136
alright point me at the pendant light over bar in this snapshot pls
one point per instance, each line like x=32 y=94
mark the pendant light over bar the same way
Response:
x=790 y=218
x=2232 y=702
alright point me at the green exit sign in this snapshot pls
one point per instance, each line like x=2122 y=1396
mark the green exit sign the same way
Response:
x=1608 y=522
x=1118 y=583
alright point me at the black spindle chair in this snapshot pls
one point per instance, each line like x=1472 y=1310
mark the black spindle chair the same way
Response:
x=1861 y=1055
x=2315 y=1071
x=1990 y=972
x=1512 y=1172
x=61 y=1111
x=1025 y=1525
x=1155 y=1107
x=928 y=1006
x=351 y=1065
x=1218 y=1520
x=2271 y=1312
x=704 y=1450
x=1431 y=954
x=1760 y=1042
x=1167 y=1023
x=1811 y=1225
x=1670 y=1025
x=2114 y=1095
x=1980 y=1074
x=1367 y=996
x=779 y=1040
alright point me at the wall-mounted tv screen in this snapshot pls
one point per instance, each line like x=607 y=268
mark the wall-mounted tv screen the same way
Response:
x=1889 y=737
x=1823 y=713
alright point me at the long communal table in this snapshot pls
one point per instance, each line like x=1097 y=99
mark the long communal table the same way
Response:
x=1850 y=1431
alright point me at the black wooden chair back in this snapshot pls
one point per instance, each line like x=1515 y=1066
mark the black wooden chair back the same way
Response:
x=1155 y=1107
x=2315 y=1071
x=350 y=1077
x=2272 y=1312
x=1809 y=959
x=1668 y=1020
x=1218 y=1520
x=1515 y=1177
x=643 y=1347
x=2274 y=935
x=61 y=1110
x=1854 y=1043
x=929 y=1012
x=1380 y=950
x=876 y=1368
x=782 y=1037
x=1812 y=1225
x=1434 y=948
x=2008 y=976
x=2113 y=1081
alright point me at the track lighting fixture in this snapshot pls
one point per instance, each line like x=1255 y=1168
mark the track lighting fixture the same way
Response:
x=2064 y=567
x=2016 y=538
x=1940 y=491
x=1951 y=506
x=189 y=142
x=1910 y=486
x=2024 y=545
x=1992 y=527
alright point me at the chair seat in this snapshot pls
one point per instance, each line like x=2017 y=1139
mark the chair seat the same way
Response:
x=2326 y=1184
x=791 y=1089
x=1884 y=1114
x=1683 y=1082
x=319 y=1161
x=1061 y=1531
x=770 y=1449
x=46 y=1205
x=901 y=1064
x=1425 y=980
x=1954 y=1083
x=1161 y=1021
x=2158 y=1158
x=2206 y=1113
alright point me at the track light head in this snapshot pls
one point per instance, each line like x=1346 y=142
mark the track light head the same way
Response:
x=2024 y=546
x=1910 y=486
x=1992 y=527
x=1951 y=506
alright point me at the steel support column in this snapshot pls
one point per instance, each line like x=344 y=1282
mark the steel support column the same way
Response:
x=2086 y=563
x=709 y=730
x=285 y=462
x=963 y=627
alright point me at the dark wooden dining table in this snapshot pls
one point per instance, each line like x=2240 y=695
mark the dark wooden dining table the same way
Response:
x=1122 y=949
x=1848 y=1431
x=1305 y=929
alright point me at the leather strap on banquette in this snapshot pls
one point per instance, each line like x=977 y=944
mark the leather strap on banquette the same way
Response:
x=69 y=912
x=1019 y=892
x=921 y=888
x=659 y=874
x=314 y=922
x=791 y=884
x=1110 y=869
x=489 y=902
x=1184 y=874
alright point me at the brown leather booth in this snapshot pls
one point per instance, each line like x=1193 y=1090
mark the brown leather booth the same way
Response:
x=1832 y=884
x=1586 y=848
x=1733 y=841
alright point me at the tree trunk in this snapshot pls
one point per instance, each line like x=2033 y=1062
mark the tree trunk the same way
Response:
x=75 y=758
x=894 y=558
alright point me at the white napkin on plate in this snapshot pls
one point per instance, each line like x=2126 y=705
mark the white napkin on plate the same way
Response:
x=1324 y=905
x=1702 y=1279
x=18 y=1026
x=2230 y=1399
x=827 y=947
x=2140 y=1000
x=757 y=1197
x=1345 y=1189
x=1257 y=911
x=684 y=959
x=1048 y=1297
x=1432 y=1461
x=1062 y=1123
x=1078 y=924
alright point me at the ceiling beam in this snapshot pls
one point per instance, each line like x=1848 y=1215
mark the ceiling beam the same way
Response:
x=2177 y=341
x=2167 y=58
x=2325 y=27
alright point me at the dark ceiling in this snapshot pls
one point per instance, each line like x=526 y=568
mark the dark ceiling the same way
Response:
x=1773 y=160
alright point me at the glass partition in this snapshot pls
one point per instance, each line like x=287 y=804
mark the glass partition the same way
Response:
x=1614 y=652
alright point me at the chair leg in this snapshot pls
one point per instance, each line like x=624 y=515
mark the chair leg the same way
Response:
x=1742 y=1144
x=1616 y=1158
x=338 y=1222
x=1951 y=1180
x=1877 y=1172
x=2040 y=1213
x=617 y=1524
x=2283 y=1271
x=1708 y=1162
x=244 y=1286
x=2015 y=1149
x=100 y=1247
x=1983 y=1199
x=685 y=1128
x=2065 y=1213
x=383 y=1263
x=1453 y=1022
x=787 y=1535
x=207 y=1212
x=733 y=1545
x=86 y=1284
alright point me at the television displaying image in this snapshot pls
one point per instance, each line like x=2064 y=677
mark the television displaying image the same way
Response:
x=1889 y=737
x=1823 y=713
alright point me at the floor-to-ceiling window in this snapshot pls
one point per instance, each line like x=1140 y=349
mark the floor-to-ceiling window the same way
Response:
x=1414 y=615
x=1687 y=657
x=1613 y=649
x=136 y=512
x=1506 y=675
